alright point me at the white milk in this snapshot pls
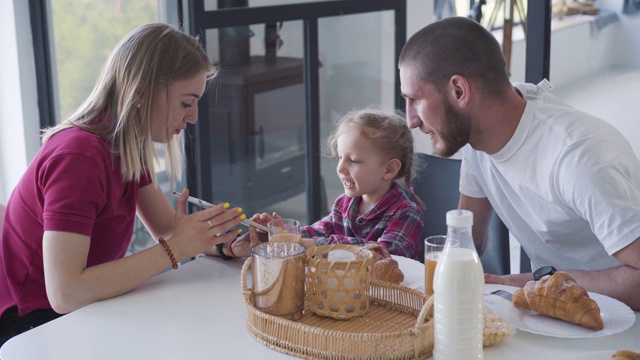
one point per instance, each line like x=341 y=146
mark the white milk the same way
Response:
x=458 y=287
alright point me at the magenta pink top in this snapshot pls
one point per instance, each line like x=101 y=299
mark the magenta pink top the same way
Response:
x=73 y=185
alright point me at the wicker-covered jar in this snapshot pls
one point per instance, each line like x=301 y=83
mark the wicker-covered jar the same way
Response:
x=338 y=278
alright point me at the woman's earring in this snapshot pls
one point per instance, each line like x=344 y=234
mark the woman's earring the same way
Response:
x=138 y=106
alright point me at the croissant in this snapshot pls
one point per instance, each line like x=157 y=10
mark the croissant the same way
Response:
x=384 y=267
x=379 y=251
x=625 y=355
x=387 y=270
x=559 y=296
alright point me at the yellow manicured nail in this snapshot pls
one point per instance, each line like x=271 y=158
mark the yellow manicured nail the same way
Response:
x=183 y=190
x=243 y=217
x=239 y=209
x=226 y=205
x=239 y=231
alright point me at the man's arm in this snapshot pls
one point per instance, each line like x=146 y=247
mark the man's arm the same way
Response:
x=622 y=282
x=482 y=211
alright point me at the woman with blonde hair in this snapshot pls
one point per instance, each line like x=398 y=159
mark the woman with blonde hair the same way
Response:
x=70 y=219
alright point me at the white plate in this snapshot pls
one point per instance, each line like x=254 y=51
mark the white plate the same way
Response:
x=413 y=271
x=616 y=315
x=598 y=355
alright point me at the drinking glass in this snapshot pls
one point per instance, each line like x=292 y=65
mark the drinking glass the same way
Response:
x=278 y=276
x=284 y=230
x=433 y=246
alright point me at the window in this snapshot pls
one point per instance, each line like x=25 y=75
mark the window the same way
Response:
x=81 y=35
x=492 y=11
x=84 y=33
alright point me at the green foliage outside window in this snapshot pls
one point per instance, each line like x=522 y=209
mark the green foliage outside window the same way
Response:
x=84 y=33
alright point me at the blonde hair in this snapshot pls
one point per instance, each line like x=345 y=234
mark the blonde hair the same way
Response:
x=149 y=58
x=389 y=132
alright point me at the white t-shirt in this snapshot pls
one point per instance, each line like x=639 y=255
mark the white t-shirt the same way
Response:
x=567 y=185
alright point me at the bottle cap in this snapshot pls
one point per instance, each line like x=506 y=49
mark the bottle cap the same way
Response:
x=459 y=218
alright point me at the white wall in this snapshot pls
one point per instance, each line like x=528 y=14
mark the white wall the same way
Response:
x=576 y=51
x=19 y=119
x=582 y=50
x=627 y=43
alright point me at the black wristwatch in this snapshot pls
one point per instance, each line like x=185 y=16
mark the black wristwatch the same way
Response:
x=543 y=271
x=221 y=253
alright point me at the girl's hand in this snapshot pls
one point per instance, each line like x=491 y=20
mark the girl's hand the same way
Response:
x=195 y=233
x=264 y=218
x=243 y=244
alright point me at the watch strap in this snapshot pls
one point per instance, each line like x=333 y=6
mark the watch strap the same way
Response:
x=221 y=253
x=543 y=271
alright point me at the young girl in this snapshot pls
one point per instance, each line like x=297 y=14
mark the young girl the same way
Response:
x=375 y=154
x=69 y=220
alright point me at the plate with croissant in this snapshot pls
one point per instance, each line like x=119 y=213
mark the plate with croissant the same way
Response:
x=610 y=355
x=557 y=306
x=396 y=269
x=413 y=272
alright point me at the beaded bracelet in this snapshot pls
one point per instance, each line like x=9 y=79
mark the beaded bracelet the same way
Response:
x=231 y=247
x=163 y=242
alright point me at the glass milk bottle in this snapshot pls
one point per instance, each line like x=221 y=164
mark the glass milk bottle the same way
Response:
x=458 y=288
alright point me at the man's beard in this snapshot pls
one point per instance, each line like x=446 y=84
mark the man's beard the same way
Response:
x=457 y=132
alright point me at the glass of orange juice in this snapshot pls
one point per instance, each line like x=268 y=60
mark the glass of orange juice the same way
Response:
x=284 y=230
x=433 y=246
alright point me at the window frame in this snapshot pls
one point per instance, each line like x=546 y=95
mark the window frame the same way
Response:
x=40 y=20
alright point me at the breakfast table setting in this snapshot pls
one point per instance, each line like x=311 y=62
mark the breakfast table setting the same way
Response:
x=537 y=336
x=206 y=310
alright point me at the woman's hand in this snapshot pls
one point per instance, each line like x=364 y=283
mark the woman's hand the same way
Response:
x=195 y=233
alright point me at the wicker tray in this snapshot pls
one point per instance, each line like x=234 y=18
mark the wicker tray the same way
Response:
x=397 y=326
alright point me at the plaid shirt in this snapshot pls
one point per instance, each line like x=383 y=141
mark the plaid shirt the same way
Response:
x=394 y=222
